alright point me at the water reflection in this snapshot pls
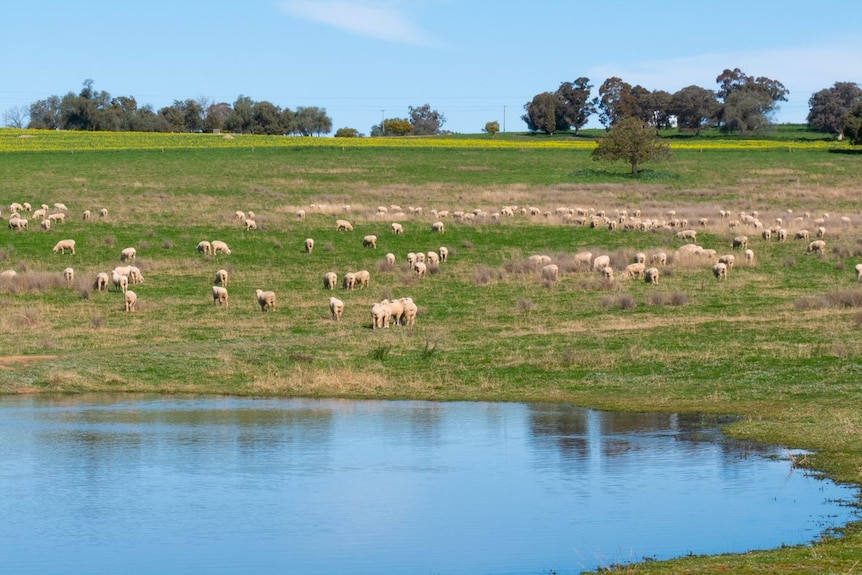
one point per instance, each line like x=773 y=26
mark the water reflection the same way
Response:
x=227 y=485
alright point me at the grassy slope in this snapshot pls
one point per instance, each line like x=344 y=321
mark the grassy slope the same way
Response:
x=766 y=344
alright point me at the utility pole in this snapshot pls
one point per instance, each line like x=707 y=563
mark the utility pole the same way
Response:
x=504 y=119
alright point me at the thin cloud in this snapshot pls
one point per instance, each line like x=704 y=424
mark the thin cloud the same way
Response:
x=379 y=20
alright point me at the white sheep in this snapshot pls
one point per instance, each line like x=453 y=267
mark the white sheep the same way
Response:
x=551 y=272
x=749 y=255
x=219 y=247
x=309 y=245
x=390 y=258
x=300 y=214
x=687 y=235
x=420 y=269
x=369 y=241
x=396 y=310
x=636 y=270
x=801 y=235
x=438 y=227
x=343 y=225
x=410 y=311
x=46 y=225
x=85 y=215
x=27 y=206
x=101 y=282
x=128 y=254
x=601 y=262
x=380 y=314
x=739 y=242
x=817 y=246
x=397 y=228
x=821 y=232
x=362 y=277
x=240 y=215
x=16 y=207
x=205 y=248
x=782 y=234
x=135 y=275
x=64 y=245
x=69 y=276
x=266 y=299
x=330 y=280
x=640 y=258
x=220 y=296
x=728 y=260
x=131 y=300
x=608 y=273
x=444 y=253
x=40 y=214
x=651 y=276
x=58 y=217
x=61 y=207
x=336 y=308
x=583 y=259
x=349 y=281
x=17 y=223
x=719 y=270
x=433 y=258
x=250 y=215
x=659 y=258
x=411 y=259
x=420 y=257
x=120 y=281
x=859 y=272
x=221 y=277
x=103 y=213
x=250 y=225
x=8 y=274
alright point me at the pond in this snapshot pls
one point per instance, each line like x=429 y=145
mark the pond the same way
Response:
x=107 y=484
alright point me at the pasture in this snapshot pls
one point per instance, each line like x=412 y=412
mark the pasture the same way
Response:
x=777 y=344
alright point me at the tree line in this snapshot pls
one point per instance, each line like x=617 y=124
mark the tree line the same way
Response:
x=741 y=104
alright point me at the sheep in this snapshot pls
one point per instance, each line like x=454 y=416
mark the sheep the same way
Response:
x=128 y=254
x=46 y=225
x=539 y=260
x=739 y=242
x=8 y=274
x=390 y=259
x=249 y=215
x=651 y=276
x=766 y=234
x=103 y=213
x=859 y=272
x=330 y=280
x=58 y=217
x=343 y=225
x=396 y=310
x=221 y=277
x=749 y=256
x=61 y=207
x=300 y=214
x=266 y=299
x=411 y=259
x=821 y=232
x=309 y=245
x=40 y=214
x=397 y=228
x=380 y=314
x=420 y=269
x=801 y=235
x=17 y=223
x=433 y=258
x=608 y=273
x=719 y=270
x=438 y=227
x=135 y=275
x=420 y=257
x=336 y=308
x=687 y=235
x=636 y=270
x=120 y=281
x=349 y=281
x=240 y=215
x=220 y=296
x=601 y=262
x=64 y=245
x=369 y=241
x=16 y=207
x=659 y=258
x=728 y=260
x=69 y=276
x=85 y=215
x=444 y=253
x=250 y=225
x=583 y=259
x=640 y=258
x=551 y=272
x=362 y=278
x=27 y=206
x=101 y=282
x=205 y=248
x=817 y=246
x=782 y=234
x=410 y=311
x=219 y=247
x=131 y=300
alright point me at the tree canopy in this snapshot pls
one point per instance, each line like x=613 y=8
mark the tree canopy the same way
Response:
x=829 y=108
x=632 y=141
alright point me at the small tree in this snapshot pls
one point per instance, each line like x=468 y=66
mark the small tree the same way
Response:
x=492 y=128
x=397 y=127
x=853 y=126
x=632 y=141
x=347 y=133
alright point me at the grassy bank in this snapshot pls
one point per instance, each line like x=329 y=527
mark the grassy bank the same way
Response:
x=778 y=343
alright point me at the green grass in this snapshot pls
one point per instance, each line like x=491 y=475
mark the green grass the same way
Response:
x=778 y=344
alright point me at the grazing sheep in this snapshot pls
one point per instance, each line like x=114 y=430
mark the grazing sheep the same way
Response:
x=739 y=242
x=69 y=276
x=411 y=259
x=636 y=270
x=85 y=215
x=220 y=296
x=205 y=248
x=438 y=227
x=801 y=235
x=640 y=258
x=131 y=300
x=390 y=259
x=659 y=258
x=420 y=257
x=821 y=232
x=410 y=311
x=539 y=260
x=859 y=272
x=101 y=282
x=64 y=245
x=103 y=213
x=601 y=262
x=727 y=260
x=396 y=310
x=309 y=245
x=250 y=225
x=433 y=258
x=46 y=225
x=349 y=281
x=551 y=272
x=766 y=234
x=300 y=214
x=266 y=299
x=782 y=234
x=250 y=215
x=58 y=217
x=362 y=277
x=120 y=281
x=336 y=308
x=420 y=269
x=749 y=256
x=16 y=207
x=817 y=246
x=17 y=223
x=369 y=241
x=240 y=215
x=135 y=275
x=330 y=280
x=651 y=276
x=40 y=214
x=608 y=273
x=13 y=273
x=128 y=254
x=719 y=270
x=221 y=277
x=380 y=314
x=61 y=207
x=583 y=259
x=343 y=225
x=397 y=228
x=219 y=247
x=444 y=253
x=687 y=235
x=27 y=206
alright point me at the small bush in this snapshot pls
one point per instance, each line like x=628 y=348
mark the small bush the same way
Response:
x=621 y=301
x=525 y=304
x=483 y=275
x=328 y=247
x=669 y=299
x=97 y=322
x=167 y=245
x=381 y=352
x=110 y=241
x=467 y=245
x=845 y=298
x=301 y=357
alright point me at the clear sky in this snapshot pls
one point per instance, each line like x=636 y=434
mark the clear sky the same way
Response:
x=473 y=60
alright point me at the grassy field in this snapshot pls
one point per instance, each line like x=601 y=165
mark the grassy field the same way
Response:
x=779 y=343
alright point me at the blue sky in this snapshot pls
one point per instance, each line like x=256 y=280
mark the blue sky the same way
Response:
x=473 y=60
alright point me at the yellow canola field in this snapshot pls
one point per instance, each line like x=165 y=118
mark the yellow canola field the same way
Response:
x=14 y=140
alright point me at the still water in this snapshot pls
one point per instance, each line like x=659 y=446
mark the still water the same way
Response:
x=114 y=485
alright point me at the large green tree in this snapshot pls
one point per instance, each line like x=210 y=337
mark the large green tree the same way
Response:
x=544 y=113
x=853 y=126
x=576 y=106
x=695 y=108
x=830 y=107
x=632 y=141
x=425 y=121
x=748 y=102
